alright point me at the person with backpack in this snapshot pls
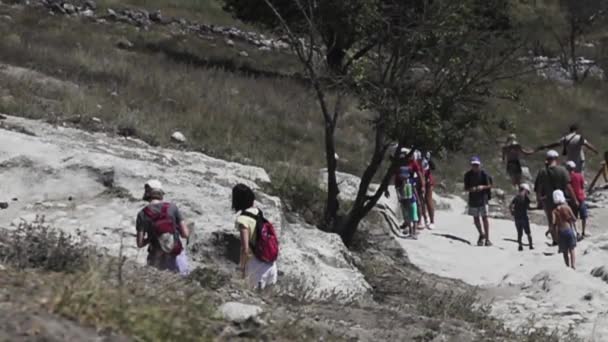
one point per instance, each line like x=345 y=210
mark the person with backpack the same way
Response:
x=572 y=147
x=428 y=166
x=512 y=153
x=479 y=186
x=550 y=178
x=519 y=209
x=160 y=226
x=259 y=241
x=578 y=186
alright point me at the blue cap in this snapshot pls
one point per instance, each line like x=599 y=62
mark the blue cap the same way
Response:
x=475 y=161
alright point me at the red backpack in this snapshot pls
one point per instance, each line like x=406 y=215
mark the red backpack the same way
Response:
x=266 y=247
x=163 y=228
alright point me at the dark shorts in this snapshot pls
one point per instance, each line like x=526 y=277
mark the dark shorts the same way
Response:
x=514 y=168
x=567 y=240
x=522 y=225
x=581 y=212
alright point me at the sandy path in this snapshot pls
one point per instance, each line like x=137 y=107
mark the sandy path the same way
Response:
x=525 y=284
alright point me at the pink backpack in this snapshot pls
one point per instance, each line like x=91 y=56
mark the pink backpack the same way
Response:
x=266 y=247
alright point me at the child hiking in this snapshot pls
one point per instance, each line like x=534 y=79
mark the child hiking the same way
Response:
x=259 y=244
x=564 y=221
x=519 y=209
x=405 y=188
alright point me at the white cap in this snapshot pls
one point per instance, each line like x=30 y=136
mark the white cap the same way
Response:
x=524 y=186
x=571 y=165
x=558 y=197
x=155 y=184
x=404 y=150
x=552 y=154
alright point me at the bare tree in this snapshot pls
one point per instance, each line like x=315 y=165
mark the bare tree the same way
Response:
x=424 y=71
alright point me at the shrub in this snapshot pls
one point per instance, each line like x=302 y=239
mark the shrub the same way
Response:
x=36 y=245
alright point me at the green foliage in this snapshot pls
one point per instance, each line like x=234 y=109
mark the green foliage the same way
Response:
x=36 y=245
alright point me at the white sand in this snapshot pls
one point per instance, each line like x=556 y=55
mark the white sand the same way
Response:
x=533 y=286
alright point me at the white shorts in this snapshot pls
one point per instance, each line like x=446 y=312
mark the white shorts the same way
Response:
x=479 y=211
x=261 y=274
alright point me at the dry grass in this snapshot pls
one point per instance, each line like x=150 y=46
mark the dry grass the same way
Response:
x=222 y=109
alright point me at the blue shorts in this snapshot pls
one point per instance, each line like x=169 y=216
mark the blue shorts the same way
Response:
x=583 y=212
x=567 y=240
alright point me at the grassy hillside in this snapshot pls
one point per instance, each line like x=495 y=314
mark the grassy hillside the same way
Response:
x=250 y=107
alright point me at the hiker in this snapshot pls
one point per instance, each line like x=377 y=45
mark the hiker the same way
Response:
x=405 y=186
x=159 y=226
x=420 y=183
x=564 y=222
x=550 y=178
x=479 y=186
x=578 y=186
x=519 y=209
x=572 y=147
x=259 y=246
x=512 y=152
x=603 y=171
x=428 y=166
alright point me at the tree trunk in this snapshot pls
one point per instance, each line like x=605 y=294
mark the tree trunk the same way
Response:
x=572 y=41
x=332 y=205
x=363 y=202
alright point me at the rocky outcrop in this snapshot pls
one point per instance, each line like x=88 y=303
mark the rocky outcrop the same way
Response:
x=91 y=183
x=144 y=19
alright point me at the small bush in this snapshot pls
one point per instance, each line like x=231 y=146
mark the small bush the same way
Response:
x=36 y=245
x=300 y=191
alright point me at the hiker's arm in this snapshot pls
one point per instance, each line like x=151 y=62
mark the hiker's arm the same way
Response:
x=572 y=194
x=184 y=231
x=539 y=198
x=591 y=147
x=421 y=177
x=503 y=154
x=141 y=240
x=244 y=248
x=512 y=208
x=527 y=152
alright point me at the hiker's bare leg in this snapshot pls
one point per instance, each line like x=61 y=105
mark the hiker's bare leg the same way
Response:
x=584 y=226
x=566 y=258
x=430 y=204
x=486 y=227
x=477 y=222
x=572 y=258
x=421 y=207
x=413 y=228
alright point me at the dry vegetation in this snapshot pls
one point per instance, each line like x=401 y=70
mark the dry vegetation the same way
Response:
x=252 y=109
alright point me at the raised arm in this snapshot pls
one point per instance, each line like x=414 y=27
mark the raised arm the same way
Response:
x=591 y=147
x=526 y=151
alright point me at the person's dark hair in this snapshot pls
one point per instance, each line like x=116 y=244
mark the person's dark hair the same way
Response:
x=242 y=197
x=573 y=128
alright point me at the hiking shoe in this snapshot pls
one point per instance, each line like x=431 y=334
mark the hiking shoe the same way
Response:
x=415 y=237
x=531 y=247
x=488 y=243
x=521 y=248
x=431 y=226
x=480 y=240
